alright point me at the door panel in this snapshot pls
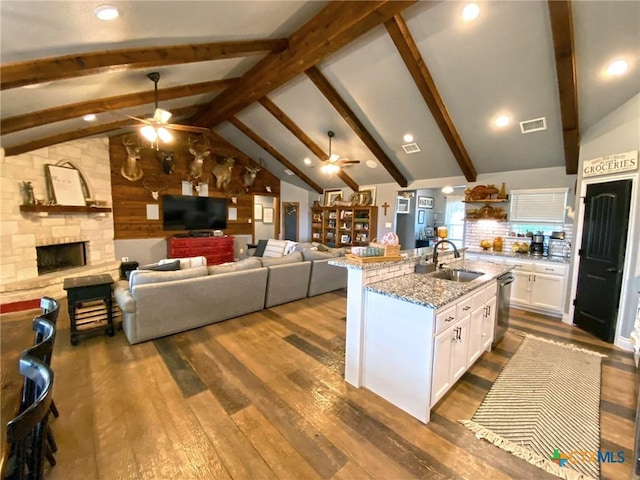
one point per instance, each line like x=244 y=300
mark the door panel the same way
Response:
x=604 y=235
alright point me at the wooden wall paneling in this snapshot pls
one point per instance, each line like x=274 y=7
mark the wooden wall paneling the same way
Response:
x=129 y=199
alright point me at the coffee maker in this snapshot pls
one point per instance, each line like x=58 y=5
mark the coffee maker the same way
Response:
x=537 y=245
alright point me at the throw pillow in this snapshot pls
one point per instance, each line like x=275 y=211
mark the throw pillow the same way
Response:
x=300 y=247
x=187 y=262
x=337 y=252
x=245 y=264
x=162 y=267
x=275 y=248
x=295 y=257
x=290 y=247
x=262 y=244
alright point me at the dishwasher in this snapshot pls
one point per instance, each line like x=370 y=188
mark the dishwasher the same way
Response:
x=502 y=307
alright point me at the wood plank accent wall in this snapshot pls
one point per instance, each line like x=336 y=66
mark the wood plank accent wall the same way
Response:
x=131 y=198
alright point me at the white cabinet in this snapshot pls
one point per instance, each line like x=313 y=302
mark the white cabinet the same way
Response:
x=539 y=286
x=488 y=323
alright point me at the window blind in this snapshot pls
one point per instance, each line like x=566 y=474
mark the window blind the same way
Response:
x=540 y=205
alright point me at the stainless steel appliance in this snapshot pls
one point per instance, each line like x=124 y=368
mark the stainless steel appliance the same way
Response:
x=537 y=245
x=502 y=306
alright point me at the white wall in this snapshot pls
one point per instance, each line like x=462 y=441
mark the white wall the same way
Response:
x=617 y=133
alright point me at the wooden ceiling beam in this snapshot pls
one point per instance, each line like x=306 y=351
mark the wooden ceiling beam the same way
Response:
x=81 y=133
x=404 y=42
x=336 y=25
x=356 y=125
x=273 y=152
x=31 y=72
x=297 y=132
x=77 y=110
x=563 y=47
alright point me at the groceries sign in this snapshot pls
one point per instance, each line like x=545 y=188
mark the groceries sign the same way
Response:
x=620 y=162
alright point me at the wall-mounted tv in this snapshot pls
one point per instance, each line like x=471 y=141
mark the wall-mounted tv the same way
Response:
x=181 y=212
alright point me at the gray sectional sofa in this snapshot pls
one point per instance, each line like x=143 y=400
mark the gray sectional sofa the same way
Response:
x=159 y=303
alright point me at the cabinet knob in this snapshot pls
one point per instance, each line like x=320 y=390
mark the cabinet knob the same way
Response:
x=466 y=308
x=448 y=319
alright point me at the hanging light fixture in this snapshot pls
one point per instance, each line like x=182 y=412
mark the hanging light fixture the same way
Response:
x=328 y=166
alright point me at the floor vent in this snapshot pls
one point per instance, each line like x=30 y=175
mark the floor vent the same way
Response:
x=534 y=125
x=411 y=148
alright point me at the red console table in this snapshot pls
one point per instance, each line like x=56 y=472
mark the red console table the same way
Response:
x=216 y=249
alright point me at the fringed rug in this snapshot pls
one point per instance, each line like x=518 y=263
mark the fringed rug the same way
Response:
x=544 y=405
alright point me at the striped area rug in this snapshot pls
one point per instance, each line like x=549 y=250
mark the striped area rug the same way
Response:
x=544 y=405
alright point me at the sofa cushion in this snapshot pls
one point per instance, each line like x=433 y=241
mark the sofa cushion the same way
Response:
x=291 y=258
x=317 y=255
x=245 y=264
x=187 y=262
x=143 y=277
x=162 y=267
x=301 y=247
x=275 y=248
x=262 y=244
x=290 y=247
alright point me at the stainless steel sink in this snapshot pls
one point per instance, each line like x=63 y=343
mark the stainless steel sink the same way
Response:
x=457 y=275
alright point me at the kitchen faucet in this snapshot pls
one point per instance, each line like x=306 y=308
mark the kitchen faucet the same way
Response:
x=456 y=253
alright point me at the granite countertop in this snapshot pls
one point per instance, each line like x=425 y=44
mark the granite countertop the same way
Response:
x=523 y=256
x=412 y=255
x=424 y=289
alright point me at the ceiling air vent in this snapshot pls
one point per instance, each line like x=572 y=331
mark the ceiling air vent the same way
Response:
x=288 y=172
x=534 y=125
x=411 y=148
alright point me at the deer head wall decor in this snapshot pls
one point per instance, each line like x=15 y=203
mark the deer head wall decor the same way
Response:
x=131 y=170
x=166 y=160
x=250 y=175
x=200 y=148
x=222 y=171
x=155 y=187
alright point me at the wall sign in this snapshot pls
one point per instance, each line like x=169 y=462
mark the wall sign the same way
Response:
x=619 y=162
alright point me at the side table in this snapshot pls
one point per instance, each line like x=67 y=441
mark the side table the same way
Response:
x=84 y=289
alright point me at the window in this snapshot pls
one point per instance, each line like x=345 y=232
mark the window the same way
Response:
x=454 y=219
x=538 y=206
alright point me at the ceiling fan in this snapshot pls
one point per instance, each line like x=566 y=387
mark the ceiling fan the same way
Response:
x=157 y=127
x=334 y=163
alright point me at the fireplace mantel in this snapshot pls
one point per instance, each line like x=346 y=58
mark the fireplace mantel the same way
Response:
x=63 y=209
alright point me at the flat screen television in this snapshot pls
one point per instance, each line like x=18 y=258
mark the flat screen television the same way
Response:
x=181 y=212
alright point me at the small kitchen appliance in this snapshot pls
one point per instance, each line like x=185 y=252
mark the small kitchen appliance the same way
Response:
x=537 y=245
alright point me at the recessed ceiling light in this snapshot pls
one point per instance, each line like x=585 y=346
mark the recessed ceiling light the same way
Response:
x=307 y=161
x=470 y=12
x=106 y=12
x=617 y=67
x=371 y=164
x=89 y=117
x=447 y=189
x=408 y=138
x=502 y=121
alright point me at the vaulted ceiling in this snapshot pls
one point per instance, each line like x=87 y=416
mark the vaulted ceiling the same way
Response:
x=272 y=77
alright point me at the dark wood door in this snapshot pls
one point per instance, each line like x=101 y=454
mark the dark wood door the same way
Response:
x=290 y=211
x=604 y=236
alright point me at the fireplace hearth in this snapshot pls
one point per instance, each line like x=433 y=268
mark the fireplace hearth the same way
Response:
x=53 y=258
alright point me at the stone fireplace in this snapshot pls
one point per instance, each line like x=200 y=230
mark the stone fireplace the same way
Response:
x=29 y=271
x=61 y=256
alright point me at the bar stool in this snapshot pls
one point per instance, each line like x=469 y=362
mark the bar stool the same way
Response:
x=50 y=311
x=27 y=432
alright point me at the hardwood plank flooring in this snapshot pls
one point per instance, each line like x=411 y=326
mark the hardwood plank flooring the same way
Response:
x=263 y=397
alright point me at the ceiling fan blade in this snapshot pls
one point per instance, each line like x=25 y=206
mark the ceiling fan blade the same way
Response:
x=348 y=162
x=141 y=120
x=187 y=128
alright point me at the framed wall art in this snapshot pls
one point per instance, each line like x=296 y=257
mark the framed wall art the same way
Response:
x=267 y=215
x=330 y=196
x=257 y=211
x=367 y=197
x=403 y=205
x=421 y=215
x=65 y=185
x=425 y=202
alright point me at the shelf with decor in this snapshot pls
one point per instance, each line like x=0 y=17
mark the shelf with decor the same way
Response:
x=62 y=209
x=488 y=200
x=344 y=226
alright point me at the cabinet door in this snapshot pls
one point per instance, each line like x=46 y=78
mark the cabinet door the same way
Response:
x=548 y=292
x=488 y=323
x=475 y=334
x=460 y=349
x=521 y=287
x=441 y=377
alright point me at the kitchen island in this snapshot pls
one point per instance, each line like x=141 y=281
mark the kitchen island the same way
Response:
x=411 y=336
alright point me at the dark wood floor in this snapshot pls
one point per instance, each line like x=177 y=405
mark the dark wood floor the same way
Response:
x=263 y=396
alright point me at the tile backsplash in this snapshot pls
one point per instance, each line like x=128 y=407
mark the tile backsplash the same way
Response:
x=476 y=231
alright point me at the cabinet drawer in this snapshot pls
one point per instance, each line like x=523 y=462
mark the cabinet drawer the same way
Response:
x=180 y=252
x=520 y=265
x=478 y=298
x=550 y=268
x=491 y=291
x=179 y=243
x=445 y=318
x=464 y=306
